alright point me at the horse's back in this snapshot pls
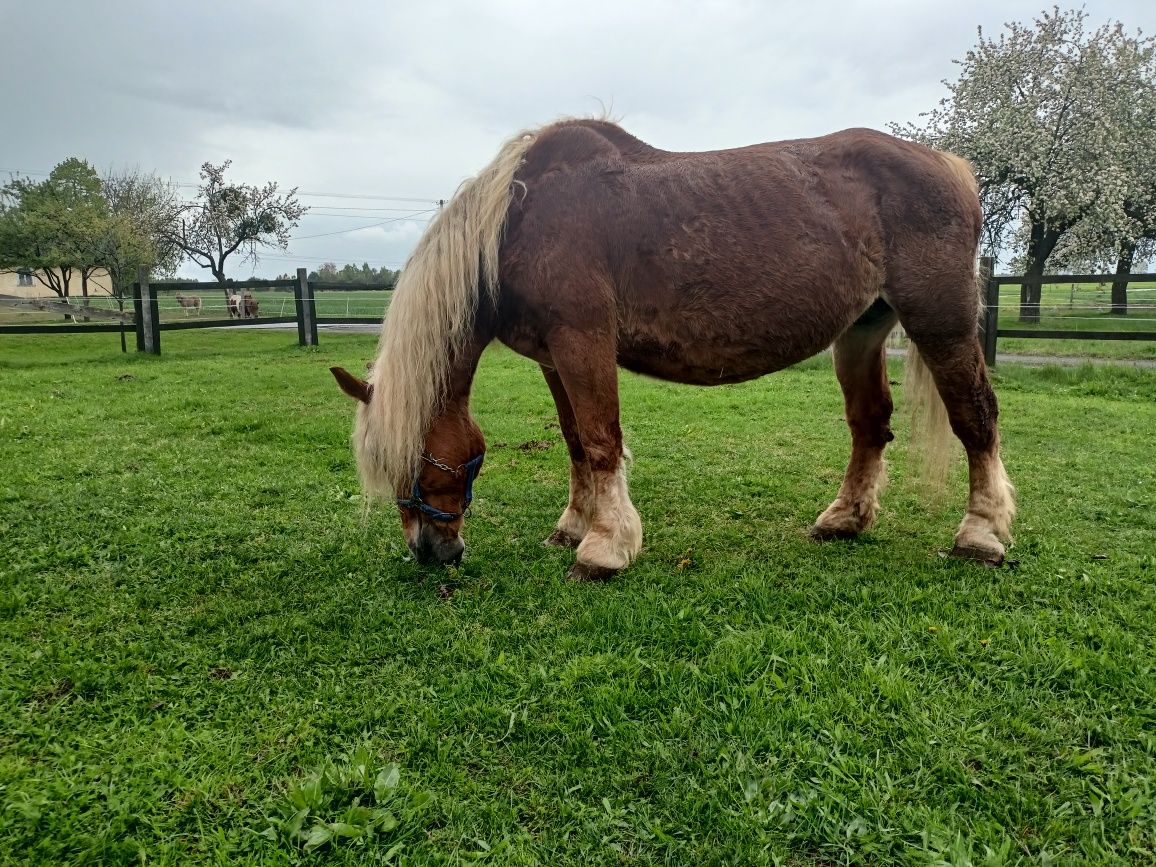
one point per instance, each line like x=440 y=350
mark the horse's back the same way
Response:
x=723 y=265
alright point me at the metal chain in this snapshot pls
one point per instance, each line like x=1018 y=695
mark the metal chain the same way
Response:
x=441 y=465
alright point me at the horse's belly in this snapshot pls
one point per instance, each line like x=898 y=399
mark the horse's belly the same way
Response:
x=716 y=359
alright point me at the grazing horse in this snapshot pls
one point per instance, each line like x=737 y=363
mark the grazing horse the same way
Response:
x=234 y=303
x=189 y=302
x=583 y=248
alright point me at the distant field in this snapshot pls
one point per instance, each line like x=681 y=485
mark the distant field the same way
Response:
x=279 y=302
x=273 y=302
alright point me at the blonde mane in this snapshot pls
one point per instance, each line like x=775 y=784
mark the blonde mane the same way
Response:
x=429 y=320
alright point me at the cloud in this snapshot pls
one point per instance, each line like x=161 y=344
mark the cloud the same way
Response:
x=404 y=100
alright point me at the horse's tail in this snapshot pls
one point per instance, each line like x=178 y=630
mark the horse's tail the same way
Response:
x=931 y=437
x=429 y=319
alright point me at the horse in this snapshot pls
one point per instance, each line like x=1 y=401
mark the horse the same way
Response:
x=234 y=304
x=189 y=302
x=583 y=248
x=249 y=306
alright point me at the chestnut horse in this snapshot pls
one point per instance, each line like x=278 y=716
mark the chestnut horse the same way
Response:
x=583 y=248
x=249 y=307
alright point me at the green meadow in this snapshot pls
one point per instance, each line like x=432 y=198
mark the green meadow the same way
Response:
x=210 y=655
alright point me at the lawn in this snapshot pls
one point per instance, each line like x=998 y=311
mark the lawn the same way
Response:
x=208 y=655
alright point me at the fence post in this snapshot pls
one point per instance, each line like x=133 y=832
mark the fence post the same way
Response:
x=989 y=319
x=306 y=310
x=148 y=320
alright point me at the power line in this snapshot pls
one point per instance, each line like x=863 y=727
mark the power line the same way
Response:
x=323 y=259
x=359 y=228
x=409 y=215
x=356 y=208
x=430 y=200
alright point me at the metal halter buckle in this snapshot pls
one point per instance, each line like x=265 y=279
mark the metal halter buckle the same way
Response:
x=415 y=500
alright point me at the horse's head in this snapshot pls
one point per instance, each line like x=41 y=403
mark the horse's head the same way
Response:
x=433 y=504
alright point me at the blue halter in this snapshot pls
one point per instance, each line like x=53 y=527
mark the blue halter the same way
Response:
x=415 y=501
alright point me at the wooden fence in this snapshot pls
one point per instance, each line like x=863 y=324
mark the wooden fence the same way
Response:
x=990 y=332
x=144 y=314
x=149 y=325
x=146 y=320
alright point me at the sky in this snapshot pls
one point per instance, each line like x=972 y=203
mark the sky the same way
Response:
x=375 y=110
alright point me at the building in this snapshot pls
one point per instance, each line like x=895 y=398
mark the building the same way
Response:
x=22 y=284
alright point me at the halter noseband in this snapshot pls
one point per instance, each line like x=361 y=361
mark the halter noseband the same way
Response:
x=415 y=501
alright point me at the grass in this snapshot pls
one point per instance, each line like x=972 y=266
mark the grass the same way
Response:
x=208 y=656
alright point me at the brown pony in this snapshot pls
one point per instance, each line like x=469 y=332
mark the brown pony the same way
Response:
x=189 y=302
x=583 y=248
x=249 y=306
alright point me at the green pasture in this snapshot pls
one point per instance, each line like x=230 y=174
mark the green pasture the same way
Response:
x=272 y=302
x=279 y=302
x=208 y=655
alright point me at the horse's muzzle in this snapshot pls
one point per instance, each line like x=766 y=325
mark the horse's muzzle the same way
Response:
x=433 y=547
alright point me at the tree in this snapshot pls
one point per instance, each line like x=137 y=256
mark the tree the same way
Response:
x=134 y=235
x=230 y=218
x=1045 y=113
x=1132 y=238
x=137 y=234
x=48 y=227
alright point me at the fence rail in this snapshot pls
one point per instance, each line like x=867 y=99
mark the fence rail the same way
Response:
x=990 y=332
x=147 y=322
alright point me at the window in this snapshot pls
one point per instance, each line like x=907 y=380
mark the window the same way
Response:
x=24 y=278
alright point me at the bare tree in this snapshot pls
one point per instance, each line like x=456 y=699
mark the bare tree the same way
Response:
x=227 y=219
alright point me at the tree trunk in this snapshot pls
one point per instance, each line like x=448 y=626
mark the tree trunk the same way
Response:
x=219 y=276
x=84 y=292
x=1030 y=292
x=1041 y=244
x=116 y=279
x=1120 y=284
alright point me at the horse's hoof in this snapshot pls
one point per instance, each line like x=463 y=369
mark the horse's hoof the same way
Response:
x=820 y=533
x=562 y=539
x=990 y=557
x=589 y=572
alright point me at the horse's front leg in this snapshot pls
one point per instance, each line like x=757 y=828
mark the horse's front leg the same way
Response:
x=587 y=368
x=576 y=520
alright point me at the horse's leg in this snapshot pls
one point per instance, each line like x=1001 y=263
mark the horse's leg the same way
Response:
x=575 y=521
x=943 y=327
x=861 y=366
x=961 y=378
x=587 y=367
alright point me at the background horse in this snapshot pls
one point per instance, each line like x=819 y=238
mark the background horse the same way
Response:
x=234 y=304
x=189 y=302
x=249 y=306
x=583 y=248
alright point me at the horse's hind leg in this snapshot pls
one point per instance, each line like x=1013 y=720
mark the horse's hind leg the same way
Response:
x=861 y=366
x=960 y=376
x=575 y=521
x=587 y=368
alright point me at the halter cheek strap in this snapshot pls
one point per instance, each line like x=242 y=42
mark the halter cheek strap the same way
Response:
x=415 y=500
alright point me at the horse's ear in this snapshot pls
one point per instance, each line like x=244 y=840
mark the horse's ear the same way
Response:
x=356 y=388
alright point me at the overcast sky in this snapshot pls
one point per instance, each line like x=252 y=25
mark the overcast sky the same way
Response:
x=374 y=110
